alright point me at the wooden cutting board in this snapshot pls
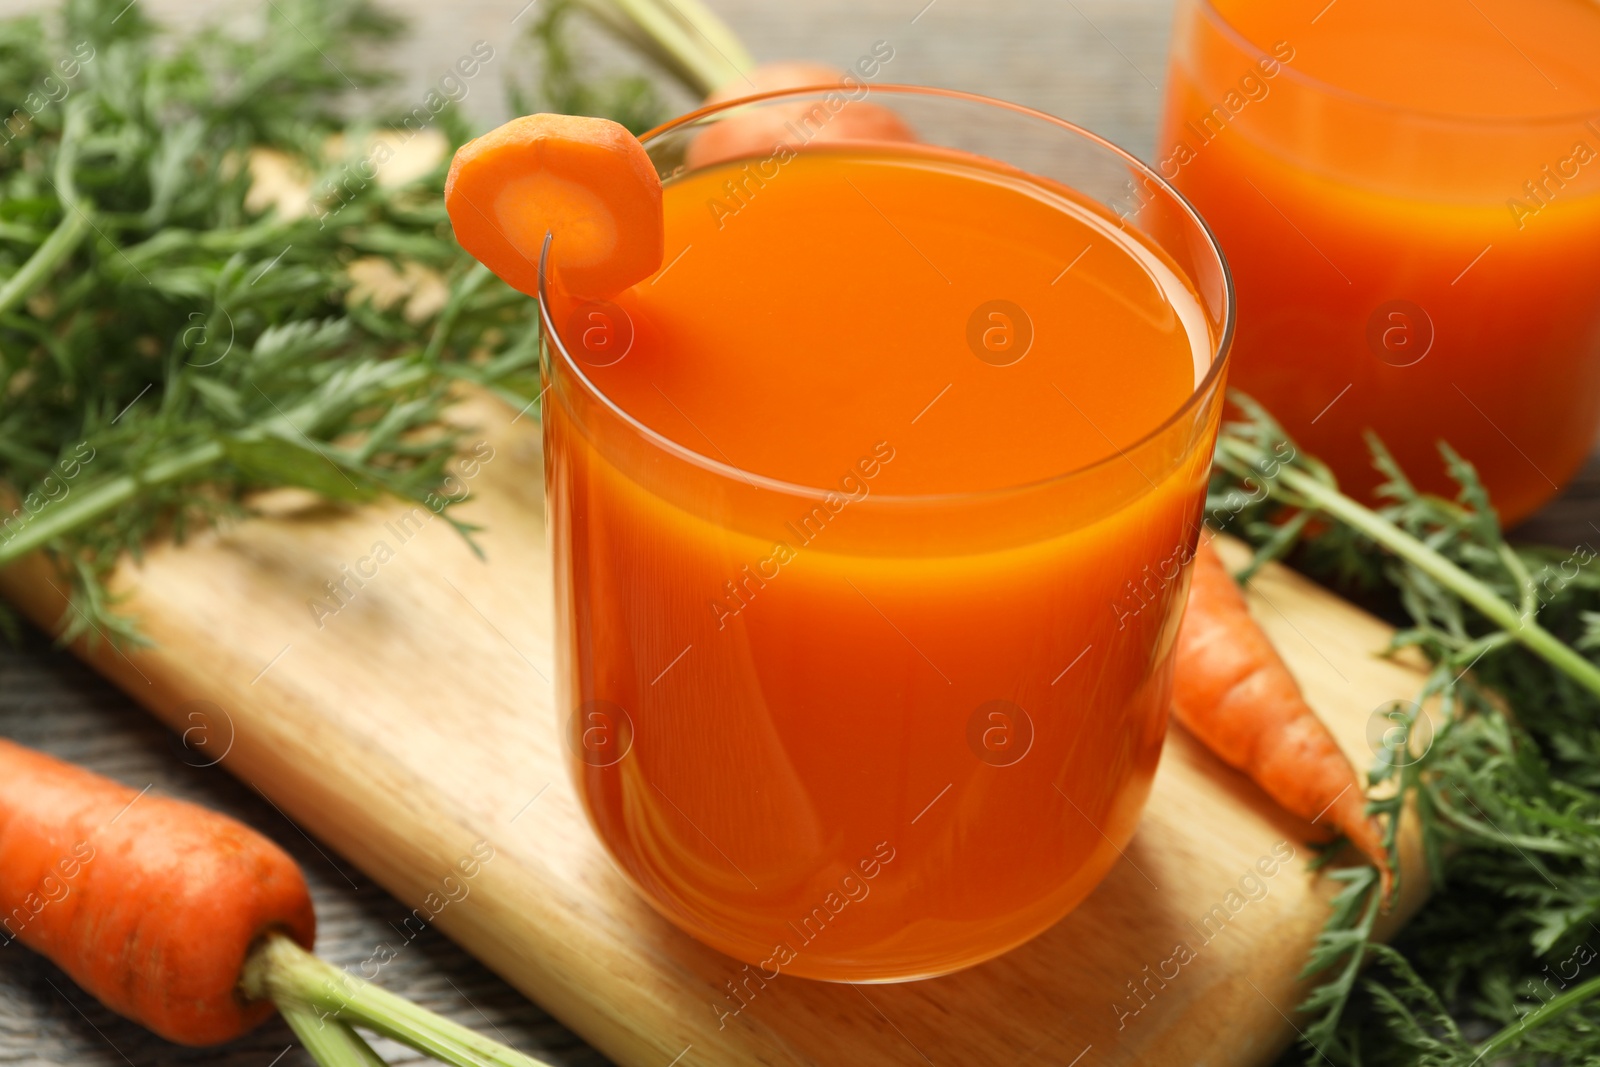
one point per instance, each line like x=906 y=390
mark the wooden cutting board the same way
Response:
x=413 y=732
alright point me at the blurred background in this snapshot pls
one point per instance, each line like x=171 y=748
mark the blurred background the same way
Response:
x=1096 y=62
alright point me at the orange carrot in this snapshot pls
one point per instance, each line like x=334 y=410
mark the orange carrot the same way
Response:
x=1232 y=691
x=779 y=74
x=841 y=115
x=150 y=904
x=588 y=181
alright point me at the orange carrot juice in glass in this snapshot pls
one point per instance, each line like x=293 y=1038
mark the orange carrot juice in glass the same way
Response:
x=871 y=513
x=1408 y=195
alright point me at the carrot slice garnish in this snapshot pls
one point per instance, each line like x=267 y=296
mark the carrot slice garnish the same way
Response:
x=587 y=181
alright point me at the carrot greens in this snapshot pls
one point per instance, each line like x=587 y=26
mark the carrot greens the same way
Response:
x=1502 y=965
x=168 y=344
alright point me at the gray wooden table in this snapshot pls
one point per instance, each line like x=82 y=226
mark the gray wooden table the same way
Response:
x=1097 y=62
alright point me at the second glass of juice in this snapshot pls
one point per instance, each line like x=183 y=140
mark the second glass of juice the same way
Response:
x=871 y=513
x=1409 y=198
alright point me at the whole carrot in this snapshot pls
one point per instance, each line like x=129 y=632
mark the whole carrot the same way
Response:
x=1232 y=691
x=188 y=922
x=150 y=904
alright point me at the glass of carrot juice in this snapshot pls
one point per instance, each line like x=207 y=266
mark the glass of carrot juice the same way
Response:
x=1409 y=197
x=871 y=513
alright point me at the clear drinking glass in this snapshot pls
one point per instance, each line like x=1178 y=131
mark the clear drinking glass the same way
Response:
x=924 y=739
x=1427 y=275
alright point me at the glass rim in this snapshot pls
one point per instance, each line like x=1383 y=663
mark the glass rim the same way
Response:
x=1351 y=96
x=1202 y=389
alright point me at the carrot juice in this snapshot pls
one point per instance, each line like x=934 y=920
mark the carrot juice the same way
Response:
x=1409 y=198
x=871 y=513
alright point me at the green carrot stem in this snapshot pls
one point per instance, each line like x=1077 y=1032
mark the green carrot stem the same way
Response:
x=1329 y=500
x=69 y=232
x=460 y=294
x=51 y=253
x=701 y=68
x=331 y=1043
x=716 y=33
x=81 y=508
x=1557 y=1005
x=1524 y=580
x=287 y=974
x=670 y=34
x=620 y=25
